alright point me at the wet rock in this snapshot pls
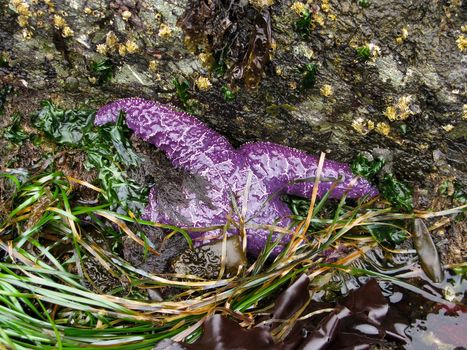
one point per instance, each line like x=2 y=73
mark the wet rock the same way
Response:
x=71 y=84
x=169 y=249
x=206 y=261
x=414 y=53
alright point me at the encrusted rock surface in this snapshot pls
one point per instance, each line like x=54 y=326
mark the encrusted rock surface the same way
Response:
x=407 y=97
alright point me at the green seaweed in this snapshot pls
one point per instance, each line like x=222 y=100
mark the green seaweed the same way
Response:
x=103 y=70
x=363 y=3
x=45 y=263
x=460 y=270
x=182 y=87
x=403 y=128
x=365 y=167
x=309 y=71
x=459 y=196
x=393 y=190
x=15 y=133
x=396 y=192
x=303 y=24
x=455 y=191
x=65 y=127
x=108 y=151
x=388 y=234
x=228 y=94
x=3 y=61
x=363 y=53
x=117 y=133
x=219 y=66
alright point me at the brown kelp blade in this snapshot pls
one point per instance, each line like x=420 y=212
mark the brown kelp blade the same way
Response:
x=359 y=320
x=426 y=250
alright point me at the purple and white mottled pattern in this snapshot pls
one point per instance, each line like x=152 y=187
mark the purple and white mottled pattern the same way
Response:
x=191 y=145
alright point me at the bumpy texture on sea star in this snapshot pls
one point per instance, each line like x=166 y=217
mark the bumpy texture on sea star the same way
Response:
x=267 y=169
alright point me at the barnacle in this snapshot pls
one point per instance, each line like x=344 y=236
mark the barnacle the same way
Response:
x=363 y=126
x=67 y=32
x=326 y=90
x=164 y=31
x=203 y=83
x=126 y=15
x=383 y=128
x=131 y=46
x=462 y=43
x=448 y=127
x=400 y=110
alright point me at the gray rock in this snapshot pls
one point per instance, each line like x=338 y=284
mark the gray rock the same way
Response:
x=419 y=57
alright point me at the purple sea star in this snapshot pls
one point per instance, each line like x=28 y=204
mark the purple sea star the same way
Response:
x=267 y=169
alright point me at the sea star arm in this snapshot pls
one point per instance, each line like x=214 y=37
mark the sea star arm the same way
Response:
x=293 y=171
x=186 y=141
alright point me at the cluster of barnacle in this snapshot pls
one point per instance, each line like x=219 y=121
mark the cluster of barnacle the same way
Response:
x=398 y=111
x=401 y=109
x=203 y=83
x=30 y=18
x=462 y=39
x=23 y=10
x=128 y=10
x=404 y=34
x=364 y=126
x=60 y=24
x=326 y=90
x=112 y=44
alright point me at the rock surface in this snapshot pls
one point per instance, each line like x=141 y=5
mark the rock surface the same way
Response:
x=407 y=97
x=418 y=68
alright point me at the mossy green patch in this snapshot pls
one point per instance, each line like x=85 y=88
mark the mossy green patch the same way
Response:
x=103 y=70
x=303 y=24
x=15 y=133
x=309 y=75
x=182 y=87
x=365 y=167
x=364 y=3
x=396 y=192
x=228 y=94
x=363 y=53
